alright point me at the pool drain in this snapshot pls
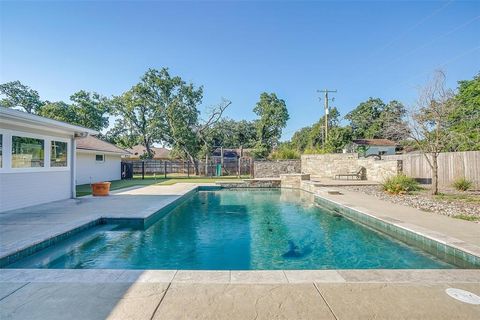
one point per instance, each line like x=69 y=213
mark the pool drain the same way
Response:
x=463 y=295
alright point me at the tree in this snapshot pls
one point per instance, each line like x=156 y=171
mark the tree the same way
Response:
x=364 y=119
x=392 y=121
x=465 y=119
x=430 y=120
x=187 y=133
x=59 y=110
x=273 y=117
x=317 y=133
x=164 y=108
x=89 y=110
x=122 y=134
x=140 y=117
x=174 y=103
x=233 y=134
x=18 y=95
x=373 y=119
x=337 y=138
x=301 y=139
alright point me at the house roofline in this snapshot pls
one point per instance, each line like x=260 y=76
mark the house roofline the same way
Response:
x=10 y=115
x=84 y=150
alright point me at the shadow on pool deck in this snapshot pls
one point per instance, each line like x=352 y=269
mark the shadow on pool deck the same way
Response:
x=171 y=294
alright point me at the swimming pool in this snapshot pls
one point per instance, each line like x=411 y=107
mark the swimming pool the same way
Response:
x=237 y=229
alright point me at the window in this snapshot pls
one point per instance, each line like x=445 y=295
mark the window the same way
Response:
x=100 y=158
x=27 y=152
x=58 y=154
x=1 y=154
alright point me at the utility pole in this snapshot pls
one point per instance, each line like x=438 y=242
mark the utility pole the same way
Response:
x=327 y=99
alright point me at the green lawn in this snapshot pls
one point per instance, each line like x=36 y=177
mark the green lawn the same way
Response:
x=84 y=189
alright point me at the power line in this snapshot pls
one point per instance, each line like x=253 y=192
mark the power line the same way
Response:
x=403 y=34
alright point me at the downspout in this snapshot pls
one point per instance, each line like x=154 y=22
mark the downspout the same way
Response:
x=73 y=165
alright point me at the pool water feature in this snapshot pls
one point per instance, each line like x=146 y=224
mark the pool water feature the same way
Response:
x=237 y=229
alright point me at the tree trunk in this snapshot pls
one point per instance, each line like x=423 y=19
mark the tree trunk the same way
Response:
x=434 y=173
x=195 y=164
x=147 y=147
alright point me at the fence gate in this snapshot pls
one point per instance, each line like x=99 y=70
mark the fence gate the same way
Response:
x=127 y=170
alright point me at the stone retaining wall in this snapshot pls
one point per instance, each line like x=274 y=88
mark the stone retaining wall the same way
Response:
x=273 y=169
x=293 y=180
x=251 y=183
x=329 y=165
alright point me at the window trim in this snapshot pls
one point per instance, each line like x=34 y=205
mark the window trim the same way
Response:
x=43 y=145
x=67 y=150
x=100 y=161
x=7 y=152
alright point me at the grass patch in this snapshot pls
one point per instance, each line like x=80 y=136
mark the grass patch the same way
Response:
x=469 y=198
x=85 y=189
x=466 y=217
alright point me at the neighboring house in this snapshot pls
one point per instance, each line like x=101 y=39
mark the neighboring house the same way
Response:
x=374 y=146
x=98 y=160
x=37 y=162
x=158 y=153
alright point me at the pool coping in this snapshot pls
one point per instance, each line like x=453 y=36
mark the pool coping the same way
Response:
x=452 y=250
x=340 y=276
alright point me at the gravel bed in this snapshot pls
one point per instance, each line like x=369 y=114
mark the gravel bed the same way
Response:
x=425 y=201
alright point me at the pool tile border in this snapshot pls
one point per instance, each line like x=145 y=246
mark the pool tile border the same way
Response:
x=449 y=249
x=40 y=245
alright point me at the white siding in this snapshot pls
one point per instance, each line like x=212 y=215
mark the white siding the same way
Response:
x=89 y=170
x=23 y=189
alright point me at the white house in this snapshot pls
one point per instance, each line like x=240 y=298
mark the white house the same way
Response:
x=37 y=162
x=97 y=160
x=373 y=146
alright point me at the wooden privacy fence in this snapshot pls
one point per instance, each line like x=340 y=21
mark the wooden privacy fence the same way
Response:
x=451 y=165
x=230 y=167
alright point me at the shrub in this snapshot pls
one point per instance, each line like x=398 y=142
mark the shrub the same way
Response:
x=314 y=151
x=400 y=184
x=462 y=184
x=284 y=154
x=259 y=152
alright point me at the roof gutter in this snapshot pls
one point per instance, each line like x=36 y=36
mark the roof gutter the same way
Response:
x=32 y=120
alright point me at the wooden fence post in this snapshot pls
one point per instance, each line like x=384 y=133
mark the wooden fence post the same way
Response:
x=143 y=170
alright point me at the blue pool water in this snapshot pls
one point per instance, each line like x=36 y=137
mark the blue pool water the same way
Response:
x=237 y=230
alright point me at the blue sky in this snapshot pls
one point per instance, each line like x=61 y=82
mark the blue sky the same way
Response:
x=237 y=50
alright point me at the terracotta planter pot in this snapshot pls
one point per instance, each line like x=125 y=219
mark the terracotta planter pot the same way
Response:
x=100 y=188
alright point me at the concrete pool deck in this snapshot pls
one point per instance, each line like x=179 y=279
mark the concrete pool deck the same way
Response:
x=172 y=294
